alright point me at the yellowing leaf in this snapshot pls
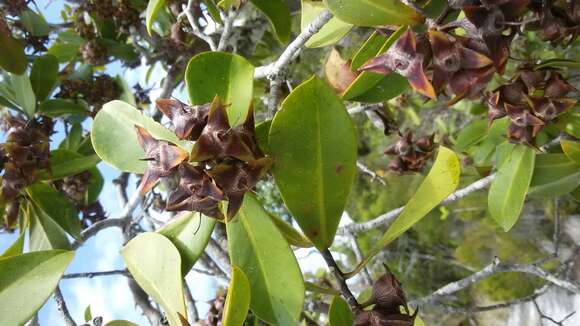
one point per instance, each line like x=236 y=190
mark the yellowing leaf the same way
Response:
x=238 y=299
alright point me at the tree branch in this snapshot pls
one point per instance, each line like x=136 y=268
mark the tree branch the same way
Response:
x=277 y=73
x=122 y=272
x=341 y=279
x=61 y=306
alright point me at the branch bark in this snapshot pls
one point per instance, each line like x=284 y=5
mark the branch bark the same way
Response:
x=341 y=279
x=61 y=306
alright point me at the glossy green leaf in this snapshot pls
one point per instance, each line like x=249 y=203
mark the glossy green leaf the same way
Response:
x=388 y=87
x=470 y=135
x=155 y=264
x=57 y=206
x=279 y=16
x=229 y=76
x=115 y=140
x=153 y=8
x=27 y=281
x=55 y=108
x=262 y=130
x=12 y=56
x=558 y=63
x=34 y=23
x=261 y=252
x=339 y=313
x=190 y=233
x=442 y=180
x=367 y=81
x=571 y=149
x=238 y=299
x=64 y=51
x=370 y=48
x=68 y=163
x=313 y=142
x=330 y=33
x=293 y=236
x=45 y=233
x=372 y=13
x=74 y=138
x=569 y=123
x=24 y=94
x=44 y=75
x=554 y=175
x=508 y=190
x=16 y=248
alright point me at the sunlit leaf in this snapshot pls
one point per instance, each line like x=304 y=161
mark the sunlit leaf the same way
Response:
x=262 y=253
x=313 y=142
x=190 y=234
x=372 y=13
x=508 y=190
x=238 y=299
x=24 y=94
x=26 y=282
x=153 y=9
x=229 y=76
x=571 y=149
x=470 y=135
x=155 y=264
x=45 y=233
x=16 y=248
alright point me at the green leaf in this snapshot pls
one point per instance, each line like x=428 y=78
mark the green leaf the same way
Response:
x=155 y=264
x=45 y=233
x=508 y=190
x=34 y=23
x=190 y=234
x=26 y=282
x=368 y=50
x=55 y=108
x=372 y=13
x=330 y=33
x=64 y=51
x=571 y=149
x=261 y=252
x=65 y=163
x=115 y=139
x=554 y=175
x=16 y=248
x=238 y=299
x=12 y=56
x=44 y=75
x=126 y=91
x=558 y=63
x=152 y=10
x=262 y=130
x=313 y=142
x=24 y=94
x=388 y=87
x=74 y=139
x=293 y=236
x=213 y=10
x=229 y=76
x=88 y=314
x=279 y=16
x=442 y=180
x=370 y=81
x=55 y=205
x=471 y=135
x=339 y=313
x=569 y=123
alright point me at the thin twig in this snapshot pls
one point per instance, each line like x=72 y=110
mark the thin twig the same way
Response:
x=122 y=272
x=366 y=170
x=61 y=306
x=277 y=72
x=190 y=302
x=341 y=279
x=227 y=31
x=189 y=13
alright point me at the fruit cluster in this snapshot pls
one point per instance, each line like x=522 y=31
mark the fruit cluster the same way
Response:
x=410 y=155
x=531 y=100
x=26 y=150
x=95 y=92
x=228 y=160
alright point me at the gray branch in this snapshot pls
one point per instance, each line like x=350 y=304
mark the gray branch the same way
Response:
x=122 y=272
x=61 y=306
